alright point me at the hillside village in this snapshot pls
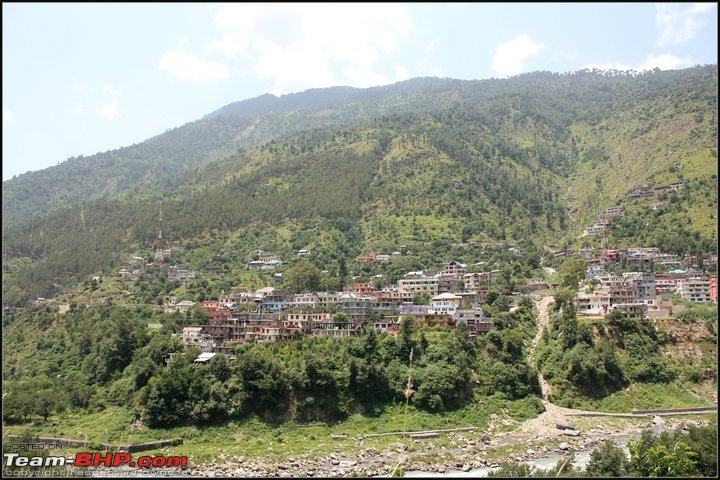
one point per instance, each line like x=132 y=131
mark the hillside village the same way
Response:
x=449 y=297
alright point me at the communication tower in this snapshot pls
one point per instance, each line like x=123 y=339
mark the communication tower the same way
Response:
x=159 y=255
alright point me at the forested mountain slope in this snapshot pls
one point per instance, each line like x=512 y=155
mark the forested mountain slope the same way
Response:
x=426 y=163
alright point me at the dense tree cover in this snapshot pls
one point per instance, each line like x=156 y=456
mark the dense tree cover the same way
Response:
x=595 y=358
x=84 y=358
x=680 y=454
x=92 y=356
x=691 y=453
x=314 y=379
x=163 y=163
x=571 y=272
x=302 y=277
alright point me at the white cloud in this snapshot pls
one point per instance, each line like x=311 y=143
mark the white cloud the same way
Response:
x=187 y=66
x=110 y=89
x=563 y=55
x=7 y=116
x=109 y=110
x=182 y=42
x=401 y=73
x=679 y=23
x=509 y=56
x=663 y=62
x=311 y=45
x=607 y=66
x=432 y=45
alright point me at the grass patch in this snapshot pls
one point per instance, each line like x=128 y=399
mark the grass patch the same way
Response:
x=258 y=440
x=642 y=396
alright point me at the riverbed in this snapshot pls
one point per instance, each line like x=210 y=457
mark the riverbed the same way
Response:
x=547 y=462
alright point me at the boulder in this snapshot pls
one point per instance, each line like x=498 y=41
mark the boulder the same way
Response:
x=659 y=427
x=563 y=425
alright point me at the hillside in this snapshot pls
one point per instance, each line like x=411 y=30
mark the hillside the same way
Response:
x=430 y=164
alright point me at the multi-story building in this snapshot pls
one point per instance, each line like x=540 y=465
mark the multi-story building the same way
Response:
x=475 y=320
x=695 y=290
x=428 y=320
x=357 y=307
x=455 y=268
x=183 y=275
x=616 y=210
x=196 y=337
x=326 y=299
x=593 y=303
x=412 y=309
x=446 y=303
x=643 y=285
x=448 y=283
x=712 y=282
x=477 y=281
x=306 y=322
x=303 y=300
x=420 y=285
x=360 y=288
x=633 y=310
x=237 y=298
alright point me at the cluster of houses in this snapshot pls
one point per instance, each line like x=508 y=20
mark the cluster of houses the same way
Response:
x=374 y=257
x=272 y=315
x=637 y=258
x=603 y=223
x=636 y=293
x=135 y=267
x=647 y=192
x=265 y=261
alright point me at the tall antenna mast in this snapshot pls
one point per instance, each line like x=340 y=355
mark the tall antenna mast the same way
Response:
x=159 y=252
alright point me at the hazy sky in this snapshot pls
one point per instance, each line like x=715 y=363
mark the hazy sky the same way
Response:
x=86 y=78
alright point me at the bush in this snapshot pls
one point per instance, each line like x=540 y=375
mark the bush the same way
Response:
x=609 y=460
x=693 y=374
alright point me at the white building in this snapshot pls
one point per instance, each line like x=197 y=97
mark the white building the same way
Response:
x=445 y=303
x=695 y=290
x=196 y=337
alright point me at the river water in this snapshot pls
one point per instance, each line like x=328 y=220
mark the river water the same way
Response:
x=582 y=457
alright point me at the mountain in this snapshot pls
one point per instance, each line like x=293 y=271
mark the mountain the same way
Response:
x=430 y=164
x=161 y=163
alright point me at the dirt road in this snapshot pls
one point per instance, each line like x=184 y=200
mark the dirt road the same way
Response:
x=543 y=319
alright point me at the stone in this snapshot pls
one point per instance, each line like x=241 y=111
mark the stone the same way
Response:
x=563 y=425
x=659 y=427
x=564 y=446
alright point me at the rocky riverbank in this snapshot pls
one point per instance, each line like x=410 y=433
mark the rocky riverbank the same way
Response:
x=470 y=451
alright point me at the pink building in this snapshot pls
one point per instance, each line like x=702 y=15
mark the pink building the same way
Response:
x=713 y=287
